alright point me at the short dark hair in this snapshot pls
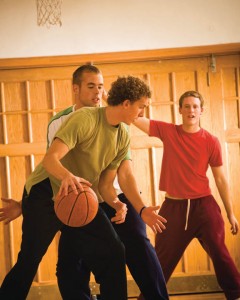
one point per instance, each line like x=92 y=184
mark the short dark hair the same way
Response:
x=87 y=68
x=127 y=88
x=194 y=94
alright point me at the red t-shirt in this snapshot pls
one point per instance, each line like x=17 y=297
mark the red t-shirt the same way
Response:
x=186 y=157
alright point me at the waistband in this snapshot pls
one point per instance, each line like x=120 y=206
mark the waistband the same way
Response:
x=186 y=199
x=188 y=205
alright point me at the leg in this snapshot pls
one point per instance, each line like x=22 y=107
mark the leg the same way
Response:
x=213 y=241
x=172 y=242
x=38 y=229
x=141 y=257
x=100 y=248
x=72 y=274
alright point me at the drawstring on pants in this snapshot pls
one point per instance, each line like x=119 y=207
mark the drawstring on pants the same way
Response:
x=187 y=214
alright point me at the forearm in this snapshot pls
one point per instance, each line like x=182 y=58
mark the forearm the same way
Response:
x=54 y=167
x=127 y=180
x=224 y=192
x=143 y=124
x=52 y=163
x=108 y=194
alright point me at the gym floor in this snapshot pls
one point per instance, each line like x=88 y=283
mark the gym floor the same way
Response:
x=212 y=296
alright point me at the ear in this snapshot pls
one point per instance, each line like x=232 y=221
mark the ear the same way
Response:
x=180 y=110
x=126 y=103
x=75 y=88
x=202 y=109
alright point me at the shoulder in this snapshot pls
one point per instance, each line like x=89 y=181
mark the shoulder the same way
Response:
x=209 y=136
x=62 y=113
x=162 y=124
x=163 y=127
x=61 y=116
x=85 y=114
x=212 y=141
x=90 y=112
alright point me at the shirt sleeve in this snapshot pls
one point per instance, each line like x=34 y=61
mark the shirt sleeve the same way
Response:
x=124 y=150
x=159 y=129
x=215 y=159
x=71 y=133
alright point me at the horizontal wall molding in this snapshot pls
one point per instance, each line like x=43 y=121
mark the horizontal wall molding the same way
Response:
x=23 y=149
x=113 y=57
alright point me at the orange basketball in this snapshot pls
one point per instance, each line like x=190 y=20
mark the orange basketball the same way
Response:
x=77 y=210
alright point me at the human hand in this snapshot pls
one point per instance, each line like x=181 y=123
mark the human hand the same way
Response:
x=152 y=219
x=71 y=182
x=121 y=211
x=234 y=224
x=11 y=211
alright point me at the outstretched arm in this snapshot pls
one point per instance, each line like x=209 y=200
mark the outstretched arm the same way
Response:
x=143 y=124
x=223 y=188
x=129 y=187
x=11 y=211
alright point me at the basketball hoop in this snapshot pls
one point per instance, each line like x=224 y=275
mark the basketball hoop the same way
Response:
x=49 y=12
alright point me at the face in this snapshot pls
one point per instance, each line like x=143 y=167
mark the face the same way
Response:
x=90 y=90
x=191 y=110
x=135 y=110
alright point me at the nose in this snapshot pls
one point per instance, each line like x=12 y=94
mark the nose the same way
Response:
x=97 y=90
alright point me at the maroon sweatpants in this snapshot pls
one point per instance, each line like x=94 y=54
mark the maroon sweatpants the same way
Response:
x=205 y=223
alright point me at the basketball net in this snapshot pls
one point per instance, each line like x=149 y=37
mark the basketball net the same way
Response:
x=49 y=12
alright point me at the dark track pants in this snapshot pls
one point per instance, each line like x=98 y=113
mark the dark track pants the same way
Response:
x=141 y=257
x=206 y=224
x=98 y=245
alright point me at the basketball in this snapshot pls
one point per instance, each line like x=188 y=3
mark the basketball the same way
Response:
x=77 y=210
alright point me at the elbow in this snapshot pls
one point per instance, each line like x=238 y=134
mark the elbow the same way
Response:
x=45 y=162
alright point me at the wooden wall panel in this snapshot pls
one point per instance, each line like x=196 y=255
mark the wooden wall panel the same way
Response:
x=26 y=107
x=230 y=100
x=63 y=93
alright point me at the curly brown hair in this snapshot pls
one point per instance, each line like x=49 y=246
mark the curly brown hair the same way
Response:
x=127 y=88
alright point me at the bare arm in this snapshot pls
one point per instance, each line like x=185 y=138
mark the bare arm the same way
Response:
x=11 y=211
x=223 y=189
x=129 y=187
x=143 y=124
x=51 y=162
x=108 y=193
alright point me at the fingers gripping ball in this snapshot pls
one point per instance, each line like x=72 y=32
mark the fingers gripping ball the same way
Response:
x=77 y=210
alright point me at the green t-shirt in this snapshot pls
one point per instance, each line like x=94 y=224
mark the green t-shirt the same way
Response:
x=40 y=173
x=94 y=145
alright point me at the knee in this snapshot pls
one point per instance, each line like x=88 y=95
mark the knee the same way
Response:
x=29 y=258
x=119 y=249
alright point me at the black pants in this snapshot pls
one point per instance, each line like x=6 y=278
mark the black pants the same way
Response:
x=98 y=245
x=39 y=227
x=141 y=259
